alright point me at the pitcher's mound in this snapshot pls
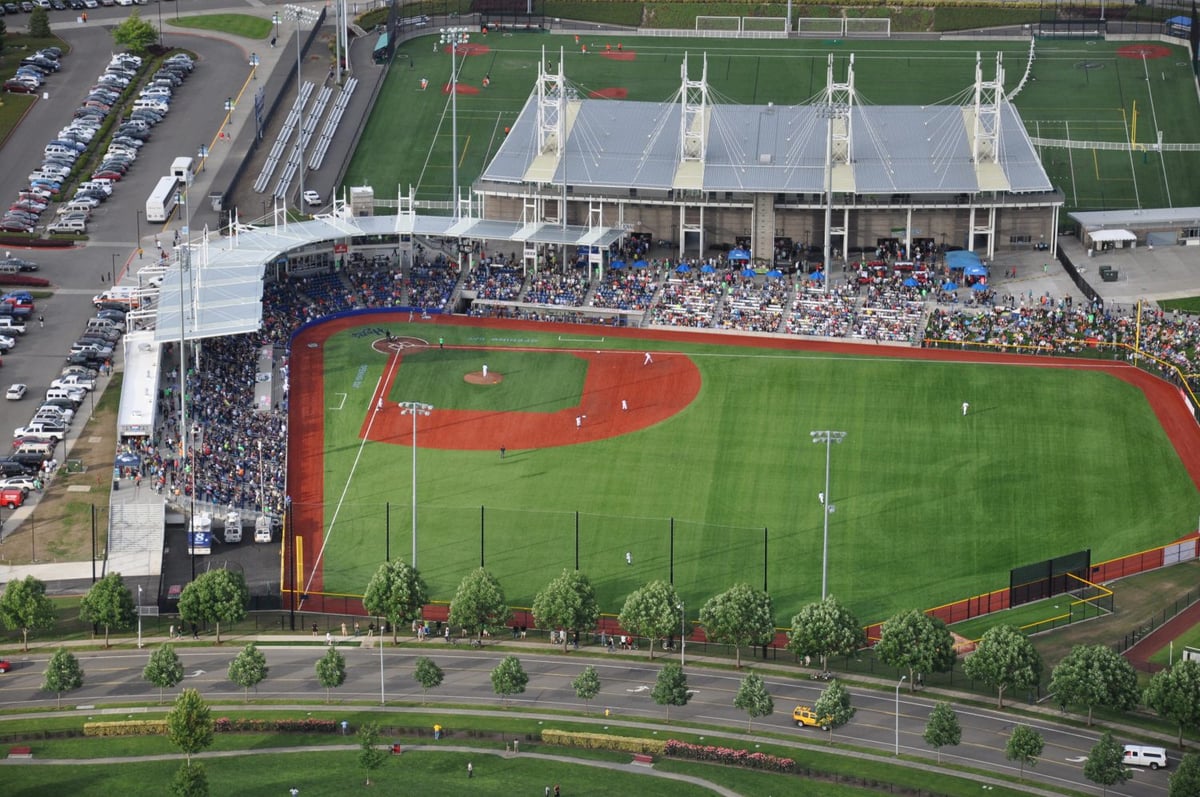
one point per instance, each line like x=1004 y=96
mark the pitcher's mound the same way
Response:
x=477 y=378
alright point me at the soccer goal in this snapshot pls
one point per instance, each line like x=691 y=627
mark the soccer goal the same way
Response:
x=764 y=24
x=706 y=23
x=819 y=26
x=869 y=26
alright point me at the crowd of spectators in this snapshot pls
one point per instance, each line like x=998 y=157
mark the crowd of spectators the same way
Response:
x=752 y=307
x=431 y=282
x=820 y=312
x=567 y=290
x=627 y=289
x=889 y=312
x=495 y=281
x=688 y=300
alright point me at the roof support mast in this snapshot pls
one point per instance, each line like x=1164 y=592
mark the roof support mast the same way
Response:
x=839 y=101
x=988 y=96
x=693 y=121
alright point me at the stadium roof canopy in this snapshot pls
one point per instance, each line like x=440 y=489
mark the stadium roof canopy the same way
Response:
x=909 y=149
x=224 y=294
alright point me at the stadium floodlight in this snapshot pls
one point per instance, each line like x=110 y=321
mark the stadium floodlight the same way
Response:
x=414 y=408
x=899 y=683
x=828 y=438
x=309 y=17
x=682 y=633
x=454 y=37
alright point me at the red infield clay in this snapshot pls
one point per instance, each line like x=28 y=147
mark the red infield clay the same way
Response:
x=615 y=93
x=1147 y=51
x=463 y=88
x=660 y=389
x=470 y=48
x=620 y=55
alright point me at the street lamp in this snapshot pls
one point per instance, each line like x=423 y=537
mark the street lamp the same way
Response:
x=414 y=408
x=898 y=685
x=309 y=17
x=202 y=153
x=682 y=634
x=828 y=438
x=454 y=37
x=112 y=275
x=275 y=22
x=262 y=493
x=228 y=109
x=254 y=66
x=139 y=615
x=137 y=219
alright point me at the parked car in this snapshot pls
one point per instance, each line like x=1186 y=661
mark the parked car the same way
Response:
x=16 y=391
x=11 y=497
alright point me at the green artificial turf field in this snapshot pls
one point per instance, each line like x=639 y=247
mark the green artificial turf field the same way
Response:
x=1080 y=90
x=930 y=506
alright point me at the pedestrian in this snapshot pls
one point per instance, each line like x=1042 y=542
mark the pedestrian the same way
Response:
x=357 y=629
x=328 y=637
x=441 y=343
x=624 y=405
x=557 y=791
x=547 y=792
x=42 y=321
x=648 y=359
x=272 y=41
x=195 y=631
x=502 y=450
x=516 y=746
x=485 y=370
x=821 y=498
x=171 y=633
x=344 y=631
x=379 y=404
x=470 y=770
x=314 y=630
x=578 y=421
x=966 y=406
x=629 y=557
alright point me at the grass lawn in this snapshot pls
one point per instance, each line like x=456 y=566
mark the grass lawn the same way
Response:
x=1081 y=91
x=930 y=507
x=1189 y=638
x=244 y=25
x=1190 y=304
x=337 y=773
x=1057 y=608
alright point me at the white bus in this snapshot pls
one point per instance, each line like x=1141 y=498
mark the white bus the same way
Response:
x=161 y=201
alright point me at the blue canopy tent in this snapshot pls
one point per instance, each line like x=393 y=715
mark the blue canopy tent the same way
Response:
x=774 y=273
x=707 y=268
x=127 y=460
x=949 y=286
x=617 y=265
x=738 y=254
x=979 y=287
x=640 y=264
x=749 y=273
x=817 y=275
x=682 y=268
x=909 y=282
x=961 y=259
x=976 y=271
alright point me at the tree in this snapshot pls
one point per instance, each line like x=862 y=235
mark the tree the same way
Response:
x=1024 y=746
x=164 y=669
x=135 y=34
x=916 y=642
x=753 y=698
x=24 y=607
x=331 y=670
x=396 y=592
x=670 y=687
x=63 y=673
x=1005 y=659
x=249 y=669
x=218 y=596
x=509 y=678
x=834 y=703
x=39 y=23
x=479 y=604
x=651 y=612
x=428 y=675
x=825 y=629
x=1095 y=675
x=567 y=602
x=587 y=685
x=1106 y=763
x=1185 y=781
x=1175 y=695
x=190 y=781
x=371 y=756
x=943 y=728
x=740 y=616
x=109 y=603
x=189 y=723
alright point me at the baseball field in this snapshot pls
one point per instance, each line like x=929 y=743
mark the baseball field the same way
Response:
x=699 y=464
x=1110 y=99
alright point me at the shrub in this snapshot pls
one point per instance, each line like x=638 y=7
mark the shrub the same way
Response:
x=129 y=728
x=729 y=756
x=220 y=725
x=600 y=741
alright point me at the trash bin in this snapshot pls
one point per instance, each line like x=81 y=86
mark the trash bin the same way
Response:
x=396 y=748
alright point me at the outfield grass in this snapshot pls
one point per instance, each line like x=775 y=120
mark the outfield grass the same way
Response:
x=1190 y=638
x=245 y=25
x=1190 y=304
x=1064 y=100
x=930 y=506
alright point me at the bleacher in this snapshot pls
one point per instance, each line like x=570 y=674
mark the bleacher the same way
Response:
x=284 y=139
x=331 y=124
x=687 y=302
x=753 y=308
x=308 y=124
x=821 y=313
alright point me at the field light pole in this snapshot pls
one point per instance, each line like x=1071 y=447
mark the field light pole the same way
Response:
x=309 y=17
x=828 y=438
x=414 y=408
x=898 y=685
x=139 y=616
x=454 y=37
x=682 y=634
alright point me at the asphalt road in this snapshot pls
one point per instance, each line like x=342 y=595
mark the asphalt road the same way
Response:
x=115 y=676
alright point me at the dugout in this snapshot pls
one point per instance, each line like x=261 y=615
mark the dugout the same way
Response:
x=511 y=15
x=383 y=49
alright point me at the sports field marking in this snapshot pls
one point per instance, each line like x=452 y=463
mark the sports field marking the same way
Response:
x=377 y=404
x=1137 y=199
x=342 y=403
x=563 y=339
x=1154 y=116
x=1071 y=163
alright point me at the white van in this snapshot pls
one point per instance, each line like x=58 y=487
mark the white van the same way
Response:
x=58 y=393
x=42 y=449
x=233 y=525
x=70 y=224
x=151 y=103
x=1140 y=755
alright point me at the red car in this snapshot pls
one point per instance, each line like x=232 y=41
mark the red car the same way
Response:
x=19 y=87
x=108 y=175
x=5 y=665
x=11 y=497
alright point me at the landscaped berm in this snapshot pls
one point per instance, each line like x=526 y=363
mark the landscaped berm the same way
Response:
x=693 y=453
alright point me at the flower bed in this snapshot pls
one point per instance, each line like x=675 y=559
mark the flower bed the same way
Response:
x=729 y=756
